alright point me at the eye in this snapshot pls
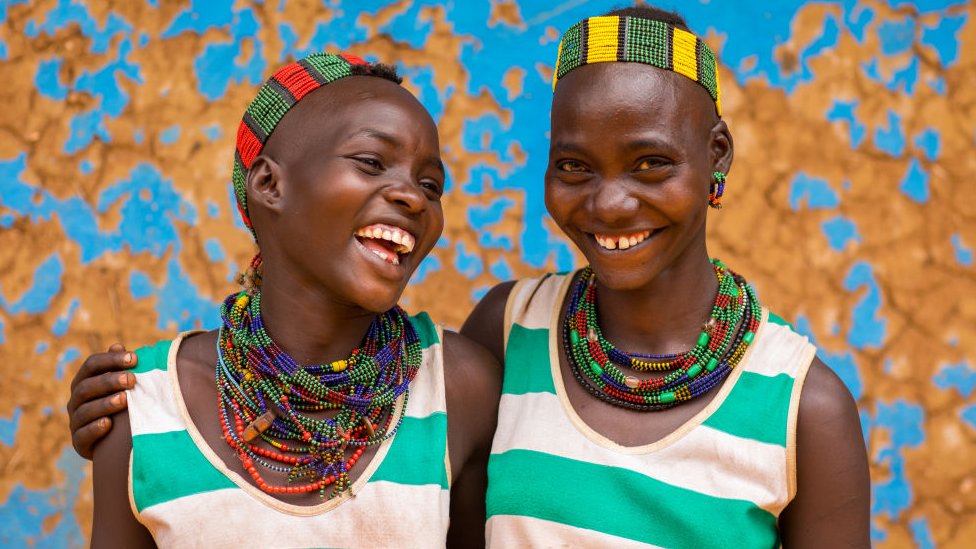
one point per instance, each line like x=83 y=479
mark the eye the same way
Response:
x=649 y=163
x=369 y=164
x=432 y=187
x=571 y=166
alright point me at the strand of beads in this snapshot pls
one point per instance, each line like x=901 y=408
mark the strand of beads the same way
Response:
x=266 y=394
x=722 y=343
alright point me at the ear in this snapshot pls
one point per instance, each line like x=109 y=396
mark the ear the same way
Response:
x=265 y=184
x=721 y=147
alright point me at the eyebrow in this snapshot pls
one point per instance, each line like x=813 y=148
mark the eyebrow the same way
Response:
x=634 y=144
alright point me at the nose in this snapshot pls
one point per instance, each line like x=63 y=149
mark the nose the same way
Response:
x=407 y=195
x=611 y=204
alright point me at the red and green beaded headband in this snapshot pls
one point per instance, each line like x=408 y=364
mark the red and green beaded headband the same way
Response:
x=612 y=38
x=280 y=93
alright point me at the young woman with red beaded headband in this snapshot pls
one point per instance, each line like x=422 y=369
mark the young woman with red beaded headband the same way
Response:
x=317 y=414
x=649 y=399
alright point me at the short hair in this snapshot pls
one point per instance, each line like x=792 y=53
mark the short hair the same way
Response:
x=644 y=11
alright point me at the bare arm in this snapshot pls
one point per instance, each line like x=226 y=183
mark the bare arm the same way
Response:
x=114 y=524
x=97 y=392
x=833 y=498
x=473 y=386
x=486 y=323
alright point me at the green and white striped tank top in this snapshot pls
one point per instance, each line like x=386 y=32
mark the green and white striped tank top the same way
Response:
x=720 y=480
x=187 y=497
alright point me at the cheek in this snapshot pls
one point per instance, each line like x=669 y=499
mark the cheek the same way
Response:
x=560 y=200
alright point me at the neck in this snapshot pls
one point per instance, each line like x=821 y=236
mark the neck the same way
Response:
x=307 y=323
x=664 y=316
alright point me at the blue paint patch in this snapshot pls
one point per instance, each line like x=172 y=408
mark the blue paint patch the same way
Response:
x=844 y=111
x=958 y=376
x=289 y=39
x=69 y=355
x=143 y=39
x=201 y=16
x=802 y=326
x=5 y=6
x=896 y=36
x=103 y=84
x=47 y=285
x=892 y=139
x=812 y=193
x=867 y=328
x=41 y=347
x=139 y=285
x=217 y=67
x=872 y=70
x=170 y=135
x=7 y=221
x=905 y=78
x=64 y=321
x=857 y=21
x=213 y=132
x=839 y=231
x=479 y=293
x=429 y=265
x=904 y=422
x=938 y=85
x=501 y=270
x=45 y=518
x=468 y=264
x=213 y=209
x=4 y=54
x=138 y=137
x=69 y=12
x=179 y=304
x=826 y=41
x=845 y=366
x=921 y=534
x=964 y=254
x=929 y=142
x=915 y=184
x=8 y=428
x=564 y=258
x=968 y=415
x=215 y=252
x=86 y=167
x=48 y=79
x=944 y=39
x=3 y=335
x=481 y=217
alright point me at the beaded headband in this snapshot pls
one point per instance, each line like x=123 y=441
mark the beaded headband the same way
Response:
x=612 y=38
x=280 y=93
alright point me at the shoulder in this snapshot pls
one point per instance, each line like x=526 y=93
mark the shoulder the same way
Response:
x=486 y=323
x=825 y=397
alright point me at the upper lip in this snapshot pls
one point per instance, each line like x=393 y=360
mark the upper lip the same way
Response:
x=404 y=239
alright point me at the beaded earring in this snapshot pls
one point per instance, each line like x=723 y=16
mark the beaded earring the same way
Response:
x=716 y=190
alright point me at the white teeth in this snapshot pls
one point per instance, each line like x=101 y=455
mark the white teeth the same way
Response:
x=621 y=242
x=398 y=237
x=387 y=235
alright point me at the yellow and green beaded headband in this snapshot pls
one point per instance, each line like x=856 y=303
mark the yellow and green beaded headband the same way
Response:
x=636 y=40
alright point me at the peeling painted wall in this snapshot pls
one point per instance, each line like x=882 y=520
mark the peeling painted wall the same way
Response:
x=850 y=205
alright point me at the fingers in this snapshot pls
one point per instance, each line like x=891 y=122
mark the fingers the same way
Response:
x=93 y=410
x=116 y=348
x=84 y=439
x=104 y=362
x=98 y=387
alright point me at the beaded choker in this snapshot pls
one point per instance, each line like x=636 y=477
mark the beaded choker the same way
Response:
x=265 y=394
x=600 y=367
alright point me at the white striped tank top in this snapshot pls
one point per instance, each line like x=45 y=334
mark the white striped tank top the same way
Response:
x=720 y=480
x=187 y=497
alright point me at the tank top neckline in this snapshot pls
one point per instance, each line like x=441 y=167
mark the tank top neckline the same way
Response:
x=592 y=434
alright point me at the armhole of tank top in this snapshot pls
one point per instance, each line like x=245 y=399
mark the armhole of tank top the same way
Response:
x=439 y=332
x=807 y=355
x=509 y=305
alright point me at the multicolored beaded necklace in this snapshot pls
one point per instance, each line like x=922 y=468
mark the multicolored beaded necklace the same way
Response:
x=723 y=341
x=265 y=394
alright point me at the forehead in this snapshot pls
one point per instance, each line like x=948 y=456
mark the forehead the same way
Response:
x=619 y=95
x=352 y=104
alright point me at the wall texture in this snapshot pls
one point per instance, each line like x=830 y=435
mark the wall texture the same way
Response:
x=854 y=123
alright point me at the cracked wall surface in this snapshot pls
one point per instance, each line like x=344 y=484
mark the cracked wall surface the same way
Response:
x=849 y=206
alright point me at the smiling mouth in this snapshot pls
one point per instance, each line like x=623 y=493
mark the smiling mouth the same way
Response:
x=388 y=242
x=622 y=241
